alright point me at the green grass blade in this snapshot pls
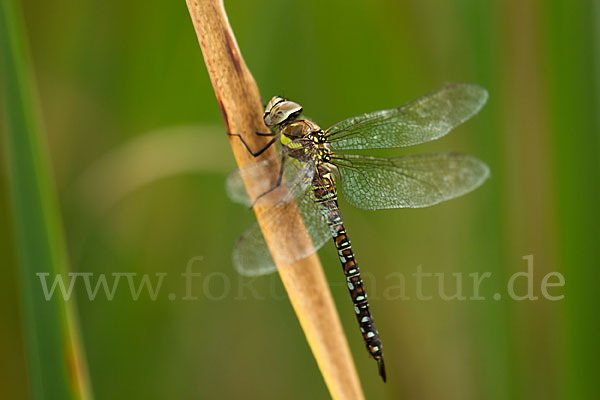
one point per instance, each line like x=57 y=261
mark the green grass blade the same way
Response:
x=55 y=364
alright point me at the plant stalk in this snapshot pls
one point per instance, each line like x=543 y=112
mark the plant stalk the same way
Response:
x=304 y=281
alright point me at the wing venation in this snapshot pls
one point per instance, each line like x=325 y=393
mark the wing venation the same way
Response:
x=427 y=118
x=407 y=182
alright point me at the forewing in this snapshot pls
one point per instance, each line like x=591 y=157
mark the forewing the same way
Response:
x=252 y=257
x=427 y=118
x=263 y=174
x=408 y=182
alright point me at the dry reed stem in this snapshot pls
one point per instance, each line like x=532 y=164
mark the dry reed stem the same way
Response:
x=304 y=281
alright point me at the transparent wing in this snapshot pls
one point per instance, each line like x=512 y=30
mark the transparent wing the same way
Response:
x=251 y=256
x=427 y=118
x=296 y=180
x=408 y=182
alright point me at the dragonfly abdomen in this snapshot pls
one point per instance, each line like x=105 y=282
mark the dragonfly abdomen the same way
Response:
x=325 y=194
x=359 y=297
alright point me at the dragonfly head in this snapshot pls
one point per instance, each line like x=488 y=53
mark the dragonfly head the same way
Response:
x=280 y=110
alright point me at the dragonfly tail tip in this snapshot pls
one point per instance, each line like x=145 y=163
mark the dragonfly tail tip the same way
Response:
x=381 y=366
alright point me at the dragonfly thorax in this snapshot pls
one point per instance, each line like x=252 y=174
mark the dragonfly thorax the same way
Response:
x=306 y=135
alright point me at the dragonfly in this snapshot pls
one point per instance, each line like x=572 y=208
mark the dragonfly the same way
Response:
x=314 y=163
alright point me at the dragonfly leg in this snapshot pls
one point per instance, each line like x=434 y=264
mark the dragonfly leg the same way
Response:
x=264 y=133
x=275 y=186
x=260 y=151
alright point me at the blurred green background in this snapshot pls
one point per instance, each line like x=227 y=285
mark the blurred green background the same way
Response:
x=139 y=157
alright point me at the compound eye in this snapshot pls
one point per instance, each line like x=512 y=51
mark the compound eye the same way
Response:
x=267 y=119
x=273 y=118
x=274 y=101
x=281 y=111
